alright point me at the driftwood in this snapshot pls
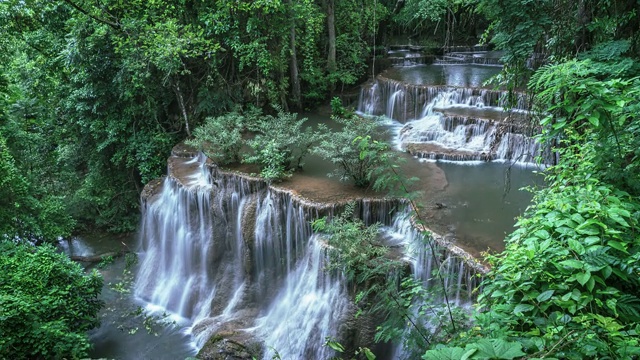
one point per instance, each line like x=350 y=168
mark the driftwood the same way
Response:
x=98 y=258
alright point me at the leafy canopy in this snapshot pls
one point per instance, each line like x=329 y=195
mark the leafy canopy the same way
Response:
x=47 y=303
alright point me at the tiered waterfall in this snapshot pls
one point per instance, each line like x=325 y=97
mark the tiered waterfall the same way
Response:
x=225 y=251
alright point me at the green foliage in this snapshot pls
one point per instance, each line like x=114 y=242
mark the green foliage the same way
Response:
x=420 y=316
x=357 y=155
x=13 y=190
x=411 y=312
x=47 y=303
x=582 y=107
x=483 y=349
x=26 y=213
x=373 y=154
x=354 y=249
x=339 y=348
x=337 y=109
x=220 y=138
x=438 y=23
x=534 y=33
x=566 y=285
x=280 y=144
x=333 y=344
x=105 y=261
x=416 y=12
x=93 y=96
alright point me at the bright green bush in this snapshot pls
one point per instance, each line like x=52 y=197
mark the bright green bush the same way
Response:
x=280 y=144
x=47 y=303
x=220 y=138
x=356 y=154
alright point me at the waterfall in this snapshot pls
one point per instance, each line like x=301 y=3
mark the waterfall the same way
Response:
x=456 y=267
x=439 y=266
x=434 y=127
x=176 y=248
x=221 y=251
x=419 y=99
x=308 y=293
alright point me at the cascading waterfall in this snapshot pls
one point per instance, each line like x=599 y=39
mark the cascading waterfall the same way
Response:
x=175 y=232
x=309 y=292
x=419 y=100
x=457 y=269
x=222 y=251
x=430 y=133
x=215 y=250
x=440 y=269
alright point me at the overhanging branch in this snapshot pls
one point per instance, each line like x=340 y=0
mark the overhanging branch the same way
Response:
x=115 y=26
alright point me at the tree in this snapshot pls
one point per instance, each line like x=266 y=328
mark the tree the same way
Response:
x=101 y=92
x=47 y=303
x=357 y=155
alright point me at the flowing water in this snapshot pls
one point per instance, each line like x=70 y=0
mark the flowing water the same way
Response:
x=227 y=256
x=121 y=334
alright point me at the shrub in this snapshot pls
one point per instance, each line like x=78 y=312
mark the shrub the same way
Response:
x=280 y=144
x=47 y=303
x=353 y=149
x=220 y=138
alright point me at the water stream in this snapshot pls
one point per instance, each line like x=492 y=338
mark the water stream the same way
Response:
x=230 y=258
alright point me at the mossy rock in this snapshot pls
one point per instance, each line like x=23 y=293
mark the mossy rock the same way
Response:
x=231 y=345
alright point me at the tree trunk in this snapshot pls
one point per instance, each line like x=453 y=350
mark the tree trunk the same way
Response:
x=399 y=5
x=183 y=108
x=295 y=77
x=331 y=30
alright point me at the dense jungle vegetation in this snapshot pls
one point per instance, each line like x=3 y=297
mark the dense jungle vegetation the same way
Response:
x=94 y=94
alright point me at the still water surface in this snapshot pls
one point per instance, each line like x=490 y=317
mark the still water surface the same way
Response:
x=450 y=75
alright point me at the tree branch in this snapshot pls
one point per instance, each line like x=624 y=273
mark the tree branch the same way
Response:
x=115 y=26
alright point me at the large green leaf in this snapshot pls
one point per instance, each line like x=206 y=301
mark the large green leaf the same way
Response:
x=452 y=353
x=545 y=295
x=521 y=308
x=496 y=349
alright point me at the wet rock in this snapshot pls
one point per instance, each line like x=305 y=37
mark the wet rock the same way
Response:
x=248 y=231
x=152 y=189
x=184 y=150
x=231 y=345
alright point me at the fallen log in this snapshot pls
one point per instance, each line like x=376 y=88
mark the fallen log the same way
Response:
x=98 y=258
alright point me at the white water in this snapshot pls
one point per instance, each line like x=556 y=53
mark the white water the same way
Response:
x=309 y=293
x=457 y=277
x=175 y=234
x=440 y=273
x=471 y=137
x=198 y=264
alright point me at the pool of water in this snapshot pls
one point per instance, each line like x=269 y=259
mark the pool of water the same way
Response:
x=122 y=333
x=449 y=75
x=482 y=202
x=474 y=203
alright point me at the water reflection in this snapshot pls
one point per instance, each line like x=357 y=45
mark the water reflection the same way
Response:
x=450 y=75
x=482 y=201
